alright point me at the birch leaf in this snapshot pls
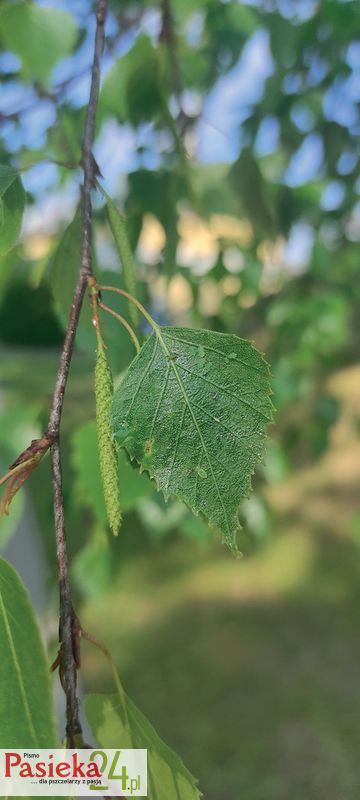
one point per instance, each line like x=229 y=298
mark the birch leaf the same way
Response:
x=119 y=723
x=26 y=710
x=193 y=410
x=39 y=36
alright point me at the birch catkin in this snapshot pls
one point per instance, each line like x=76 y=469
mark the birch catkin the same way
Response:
x=106 y=445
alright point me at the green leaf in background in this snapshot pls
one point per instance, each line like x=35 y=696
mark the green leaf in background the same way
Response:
x=92 y=566
x=88 y=481
x=183 y=8
x=118 y=229
x=253 y=192
x=12 y=204
x=132 y=88
x=63 y=276
x=39 y=36
x=26 y=712
x=195 y=529
x=9 y=263
x=160 y=517
x=10 y=522
x=117 y=723
x=193 y=410
x=64 y=267
x=7 y=176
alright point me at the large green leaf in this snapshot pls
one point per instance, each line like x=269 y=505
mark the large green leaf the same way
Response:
x=117 y=723
x=39 y=36
x=12 y=204
x=193 y=410
x=26 y=712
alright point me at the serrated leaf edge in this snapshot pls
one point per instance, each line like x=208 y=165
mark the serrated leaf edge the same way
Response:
x=234 y=531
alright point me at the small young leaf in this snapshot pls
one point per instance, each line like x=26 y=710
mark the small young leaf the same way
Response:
x=39 y=36
x=121 y=724
x=26 y=711
x=107 y=449
x=12 y=204
x=197 y=424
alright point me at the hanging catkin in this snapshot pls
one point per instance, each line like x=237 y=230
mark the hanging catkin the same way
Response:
x=106 y=445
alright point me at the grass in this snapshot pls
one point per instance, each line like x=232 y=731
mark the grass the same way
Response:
x=253 y=681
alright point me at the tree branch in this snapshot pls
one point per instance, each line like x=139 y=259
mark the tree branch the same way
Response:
x=168 y=36
x=68 y=623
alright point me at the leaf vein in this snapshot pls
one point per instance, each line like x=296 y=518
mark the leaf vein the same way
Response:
x=161 y=397
x=225 y=427
x=143 y=376
x=214 y=350
x=224 y=389
x=187 y=401
x=176 y=447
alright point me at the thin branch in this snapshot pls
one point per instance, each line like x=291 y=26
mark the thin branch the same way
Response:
x=68 y=621
x=168 y=36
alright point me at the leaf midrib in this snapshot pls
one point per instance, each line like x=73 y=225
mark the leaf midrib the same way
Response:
x=157 y=331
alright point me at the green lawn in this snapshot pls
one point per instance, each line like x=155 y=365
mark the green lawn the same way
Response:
x=249 y=669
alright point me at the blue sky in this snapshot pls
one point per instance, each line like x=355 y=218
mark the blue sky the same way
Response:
x=218 y=134
x=232 y=100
